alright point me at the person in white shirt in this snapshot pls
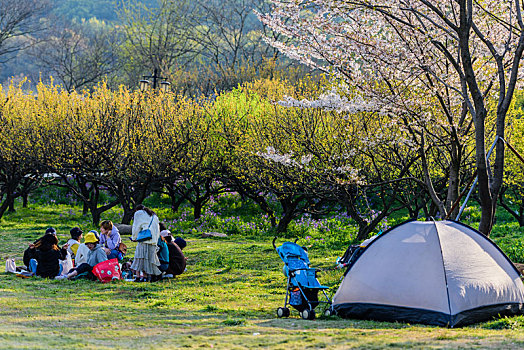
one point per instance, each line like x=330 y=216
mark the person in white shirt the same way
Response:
x=74 y=241
x=82 y=251
x=146 y=263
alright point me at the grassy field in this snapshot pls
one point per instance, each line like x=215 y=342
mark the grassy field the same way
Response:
x=226 y=299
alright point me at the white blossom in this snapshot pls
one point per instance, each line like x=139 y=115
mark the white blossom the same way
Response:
x=333 y=101
x=273 y=155
x=305 y=160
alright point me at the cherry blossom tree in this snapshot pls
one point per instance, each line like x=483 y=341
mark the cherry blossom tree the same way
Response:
x=453 y=64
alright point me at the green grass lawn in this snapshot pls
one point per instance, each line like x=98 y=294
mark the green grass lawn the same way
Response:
x=226 y=299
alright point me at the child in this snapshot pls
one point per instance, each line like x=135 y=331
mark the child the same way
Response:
x=44 y=255
x=95 y=256
x=83 y=251
x=74 y=242
x=163 y=251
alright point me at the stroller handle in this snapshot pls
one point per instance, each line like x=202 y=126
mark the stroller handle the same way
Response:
x=274 y=240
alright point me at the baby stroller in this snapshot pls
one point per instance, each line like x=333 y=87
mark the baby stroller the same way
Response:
x=302 y=284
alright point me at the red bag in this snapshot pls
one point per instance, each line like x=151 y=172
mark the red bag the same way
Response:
x=108 y=270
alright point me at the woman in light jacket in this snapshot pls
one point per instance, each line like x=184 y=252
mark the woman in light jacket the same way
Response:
x=145 y=263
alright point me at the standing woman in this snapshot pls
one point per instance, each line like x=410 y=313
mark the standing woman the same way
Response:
x=146 y=263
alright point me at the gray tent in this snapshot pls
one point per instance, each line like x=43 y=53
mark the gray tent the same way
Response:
x=440 y=273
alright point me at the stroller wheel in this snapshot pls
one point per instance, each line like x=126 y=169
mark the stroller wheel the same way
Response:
x=308 y=314
x=328 y=312
x=283 y=312
x=286 y=312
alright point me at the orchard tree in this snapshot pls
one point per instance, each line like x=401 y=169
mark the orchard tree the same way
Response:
x=199 y=169
x=329 y=159
x=77 y=133
x=463 y=53
x=19 y=136
x=170 y=144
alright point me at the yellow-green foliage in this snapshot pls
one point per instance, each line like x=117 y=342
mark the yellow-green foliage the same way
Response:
x=514 y=166
x=135 y=136
x=114 y=131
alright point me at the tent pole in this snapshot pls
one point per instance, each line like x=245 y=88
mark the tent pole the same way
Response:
x=513 y=150
x=476 y=179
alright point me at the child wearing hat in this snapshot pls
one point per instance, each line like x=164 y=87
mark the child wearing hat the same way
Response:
x=95 y=256
x=83 y=250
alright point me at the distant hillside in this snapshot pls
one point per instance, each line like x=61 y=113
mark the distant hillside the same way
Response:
x=82 y=42
x=101 y=9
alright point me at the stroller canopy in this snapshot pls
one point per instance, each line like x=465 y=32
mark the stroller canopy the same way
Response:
x=439 y=273
x=292 y=250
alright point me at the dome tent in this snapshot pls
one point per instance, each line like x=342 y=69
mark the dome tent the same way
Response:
x=438 y=272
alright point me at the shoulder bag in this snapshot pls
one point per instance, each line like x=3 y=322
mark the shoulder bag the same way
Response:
x=145 y=235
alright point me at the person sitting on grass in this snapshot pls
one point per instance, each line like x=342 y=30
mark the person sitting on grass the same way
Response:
x=95 y=256
x=29 y=252
x=74 y=241
x=177 y=260
x=110 y=240
x=83 y=251
x=44 y=255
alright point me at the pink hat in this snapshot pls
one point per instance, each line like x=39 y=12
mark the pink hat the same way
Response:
x=165 y=233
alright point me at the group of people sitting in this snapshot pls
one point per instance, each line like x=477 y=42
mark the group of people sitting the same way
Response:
x=155 y=258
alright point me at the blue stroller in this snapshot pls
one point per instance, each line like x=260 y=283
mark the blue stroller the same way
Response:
x=302 y=284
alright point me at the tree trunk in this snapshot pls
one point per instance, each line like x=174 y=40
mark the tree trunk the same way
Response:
x=433 y=210
x=485 y=196
x=285 y=220
x=197 y=210
x=128 y=213
x=479 y=117
x=5 y=204
x=264 y=206
x=12 y=206
x=95 y=214
x=429 y=183
x=517 y=215
x=498 y=166
x=176 y=202
x=364 y=230
x=289 y=208
x=453 y=188
x=25 y=200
